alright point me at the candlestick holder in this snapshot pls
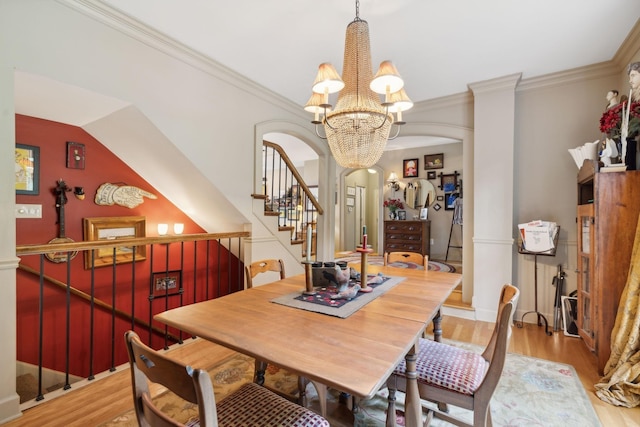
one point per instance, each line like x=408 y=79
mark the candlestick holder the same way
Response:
x=308 y=275
x=364 y=255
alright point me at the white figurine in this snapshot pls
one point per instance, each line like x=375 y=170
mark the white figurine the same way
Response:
x=610 y=151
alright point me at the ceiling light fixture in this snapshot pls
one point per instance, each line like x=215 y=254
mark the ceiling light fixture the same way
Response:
x=358 y=128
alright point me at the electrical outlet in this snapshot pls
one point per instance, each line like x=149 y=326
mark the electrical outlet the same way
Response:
x=28 y=211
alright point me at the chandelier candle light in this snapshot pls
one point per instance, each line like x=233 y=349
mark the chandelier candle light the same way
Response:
x=358 y=128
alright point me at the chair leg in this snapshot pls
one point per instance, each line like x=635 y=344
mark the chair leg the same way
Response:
x=260 y=367
x=482 y=417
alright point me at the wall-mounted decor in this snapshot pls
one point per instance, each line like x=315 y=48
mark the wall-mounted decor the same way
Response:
x=449 y=182
x=450 y=201
x=75 y=155
x=27 y=167
x=166 y=283
x=440 y=198
x=402 y=215
x=351 y=201
x=351 y=191
x=114 y=228
x=433 y=161
x=423 y=213
x=431 y=175
x=410 y=168
x=124 y=195
x=437 y=207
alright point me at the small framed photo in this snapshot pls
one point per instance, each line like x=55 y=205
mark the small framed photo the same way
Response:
x=27 y=169
x=431 y=175
x=449 y=182
x=437 y=207
x=166 y=283
x=410 y=168
x=423 y=213
x=402 y=215
x=351 y=191
x=440 y=198
x=434 y=161
x=75 y=155
x=351 y=201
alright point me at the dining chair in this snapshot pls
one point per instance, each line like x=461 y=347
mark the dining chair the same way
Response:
x=414 y=257
x=243 y=407
x=450 y=375
x=263 y=266
x=277 y=266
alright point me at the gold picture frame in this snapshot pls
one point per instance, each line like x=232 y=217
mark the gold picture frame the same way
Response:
x=114 y=228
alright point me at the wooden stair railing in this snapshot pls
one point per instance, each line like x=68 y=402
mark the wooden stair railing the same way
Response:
x=288 y=197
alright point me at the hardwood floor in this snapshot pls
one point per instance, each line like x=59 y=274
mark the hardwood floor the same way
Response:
x=104 y=399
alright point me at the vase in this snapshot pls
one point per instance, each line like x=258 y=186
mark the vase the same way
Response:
x=630 y=154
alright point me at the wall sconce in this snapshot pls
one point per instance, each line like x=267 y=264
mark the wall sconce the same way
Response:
x=163 y=229
x=178 y=228
x=393 y=181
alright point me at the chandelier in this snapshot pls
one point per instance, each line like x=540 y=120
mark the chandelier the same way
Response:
x=358 y=128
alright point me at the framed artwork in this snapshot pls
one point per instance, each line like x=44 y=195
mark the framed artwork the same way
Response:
x=27 y=168
x=449 y=182
x=431 y=175
x=402 y=215
x=410 y=168
x=433 y=161
x=450 y=199
x=351 y=201
x=351 y=191
x=114 y=228
x=75 y=155
x=166 y=283
x=437 y=207
x=423 y=213
x=440 y=198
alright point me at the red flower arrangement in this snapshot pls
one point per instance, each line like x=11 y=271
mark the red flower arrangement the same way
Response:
x=393 y=204
x=611 y=120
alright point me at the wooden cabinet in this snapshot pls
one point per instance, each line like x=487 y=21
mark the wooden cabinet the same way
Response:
x=407 y=236
x=608 y=209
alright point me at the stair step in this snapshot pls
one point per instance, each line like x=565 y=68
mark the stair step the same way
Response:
x=26 y=387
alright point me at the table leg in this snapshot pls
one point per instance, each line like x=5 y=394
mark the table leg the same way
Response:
x=413 y=409
x=260 y=368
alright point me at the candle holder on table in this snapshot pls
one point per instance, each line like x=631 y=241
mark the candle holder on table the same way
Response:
x=364 y=255
x=308 y=276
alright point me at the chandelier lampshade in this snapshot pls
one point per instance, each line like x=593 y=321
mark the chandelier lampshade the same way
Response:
x=358 y=128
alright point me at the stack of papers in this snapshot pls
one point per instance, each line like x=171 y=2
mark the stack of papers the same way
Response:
x=538 y=236
x=588 y=151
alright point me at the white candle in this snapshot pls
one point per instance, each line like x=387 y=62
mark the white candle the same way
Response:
x=308 y=242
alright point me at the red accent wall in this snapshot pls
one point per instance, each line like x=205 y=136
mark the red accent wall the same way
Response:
x=100 y=166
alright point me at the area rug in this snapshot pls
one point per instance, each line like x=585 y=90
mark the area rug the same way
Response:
x=378 y=260
x=531 y=392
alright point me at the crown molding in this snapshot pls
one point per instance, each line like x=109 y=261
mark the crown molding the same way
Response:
x=629 y=47
x=588 y=72
x=135 y=29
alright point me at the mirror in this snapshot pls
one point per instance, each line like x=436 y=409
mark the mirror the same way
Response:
x=416 y=192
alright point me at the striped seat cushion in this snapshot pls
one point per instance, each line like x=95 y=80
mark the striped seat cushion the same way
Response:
x=253 y=405
x=448 y=367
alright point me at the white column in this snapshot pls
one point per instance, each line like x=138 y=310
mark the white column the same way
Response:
x=494 y=115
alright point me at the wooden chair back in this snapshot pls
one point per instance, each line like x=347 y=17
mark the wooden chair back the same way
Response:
x=414 y=257
x=192 y=385
x=263 y=266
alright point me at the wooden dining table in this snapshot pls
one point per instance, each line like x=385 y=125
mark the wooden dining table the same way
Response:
x=355 y=355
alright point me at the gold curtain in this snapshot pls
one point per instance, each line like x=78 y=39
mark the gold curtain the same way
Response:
x=620 y=385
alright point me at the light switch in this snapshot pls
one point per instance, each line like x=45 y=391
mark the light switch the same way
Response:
x=28 y=211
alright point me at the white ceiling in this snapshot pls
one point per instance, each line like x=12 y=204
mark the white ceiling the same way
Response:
x=438 y=46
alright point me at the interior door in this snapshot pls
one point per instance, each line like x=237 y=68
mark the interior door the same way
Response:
x=360 y=214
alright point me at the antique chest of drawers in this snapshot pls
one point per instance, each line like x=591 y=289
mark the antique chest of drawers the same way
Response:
x=407 y=236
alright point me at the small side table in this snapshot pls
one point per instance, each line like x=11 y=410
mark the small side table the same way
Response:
x=551 y=252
